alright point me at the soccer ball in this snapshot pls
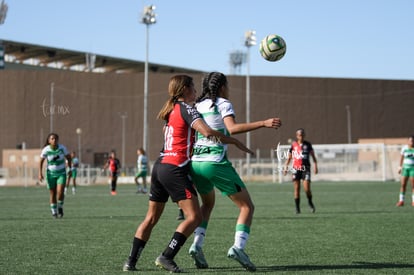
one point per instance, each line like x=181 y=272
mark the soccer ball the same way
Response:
x=273 y=47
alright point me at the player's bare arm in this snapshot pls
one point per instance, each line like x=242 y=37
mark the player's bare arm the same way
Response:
x=285 y=170
x=238 y=128
x=201 y=127
x=314 y=162
x=42 y=160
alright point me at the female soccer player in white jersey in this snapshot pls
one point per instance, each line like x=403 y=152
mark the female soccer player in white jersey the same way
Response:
x=142 y=170
x=55 y=154
x=211 y=168
x=406 y=170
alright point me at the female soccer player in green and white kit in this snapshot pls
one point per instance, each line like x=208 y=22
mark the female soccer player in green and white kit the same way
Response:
x=55 y=155
x=406 y=170
x=210 y=168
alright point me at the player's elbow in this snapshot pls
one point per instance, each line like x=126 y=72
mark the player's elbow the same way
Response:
x=232 y=131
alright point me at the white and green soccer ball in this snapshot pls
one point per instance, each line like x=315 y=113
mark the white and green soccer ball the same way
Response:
x=273 y=47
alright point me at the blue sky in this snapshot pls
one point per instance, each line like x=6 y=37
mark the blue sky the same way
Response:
x=325 y=38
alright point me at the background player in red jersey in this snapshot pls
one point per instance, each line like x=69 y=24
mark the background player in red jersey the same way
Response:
x=113 y=164
x=301 y=151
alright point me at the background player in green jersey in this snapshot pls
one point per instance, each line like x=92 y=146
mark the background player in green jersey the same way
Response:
x=72 y=173
x=406 y=170
x=142 y=170
x=55 y=154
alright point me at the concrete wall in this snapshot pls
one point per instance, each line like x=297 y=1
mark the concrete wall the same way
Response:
x=95 y=103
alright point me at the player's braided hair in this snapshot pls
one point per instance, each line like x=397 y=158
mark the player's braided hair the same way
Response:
x=212 y=84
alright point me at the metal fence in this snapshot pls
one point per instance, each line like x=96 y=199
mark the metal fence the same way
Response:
x=336 y=162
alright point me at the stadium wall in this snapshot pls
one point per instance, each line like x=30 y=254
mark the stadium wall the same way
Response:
x=95 y=103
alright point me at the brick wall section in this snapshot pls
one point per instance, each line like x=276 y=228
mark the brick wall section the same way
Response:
x=95 y=102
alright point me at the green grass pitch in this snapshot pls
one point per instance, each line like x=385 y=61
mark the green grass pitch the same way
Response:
x=356 y=230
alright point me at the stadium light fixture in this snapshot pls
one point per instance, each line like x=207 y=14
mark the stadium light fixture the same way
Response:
x=250 y=40
x=3 y=12
x=148 y=18
x=237 y=58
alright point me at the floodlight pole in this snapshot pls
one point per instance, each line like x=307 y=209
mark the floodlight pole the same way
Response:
x=123 y=117
x=51 y=107
x=79 y=132
x=348 y=119
x=3 y=13
x=250 y=40
x=148 y=18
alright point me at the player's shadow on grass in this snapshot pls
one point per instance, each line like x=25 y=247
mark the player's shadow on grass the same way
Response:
x=357 y=212
x=355 y=265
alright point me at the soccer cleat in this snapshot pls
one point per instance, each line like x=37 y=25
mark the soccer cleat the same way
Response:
x=197 y=254
x=54 y=215
x=240 y=256
x=297 y=210
x=60 y=211
x=312 y=207
x=128 y=267
x=113 y=193
x=144 y=191
x=167 y=264
x=400 y=203
x=412 y=203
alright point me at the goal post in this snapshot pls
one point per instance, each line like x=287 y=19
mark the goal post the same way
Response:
x=336 y=162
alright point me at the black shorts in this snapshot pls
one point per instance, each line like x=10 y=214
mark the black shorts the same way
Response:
x=168 y=180
x=304 y=173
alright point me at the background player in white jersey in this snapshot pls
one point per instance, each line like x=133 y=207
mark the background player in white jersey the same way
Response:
x=55 y=154
x=72 y=173
x=142 y=170
x=406 y=170
x=211 y=168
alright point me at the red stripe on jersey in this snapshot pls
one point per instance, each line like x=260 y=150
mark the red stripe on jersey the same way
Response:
x=179 y=137
x=188 y=194
x=301 y=154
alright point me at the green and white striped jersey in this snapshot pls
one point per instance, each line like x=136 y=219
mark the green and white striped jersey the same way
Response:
x=408 y=154
x=209 y=149
x=142 y=163
x=55 y=159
